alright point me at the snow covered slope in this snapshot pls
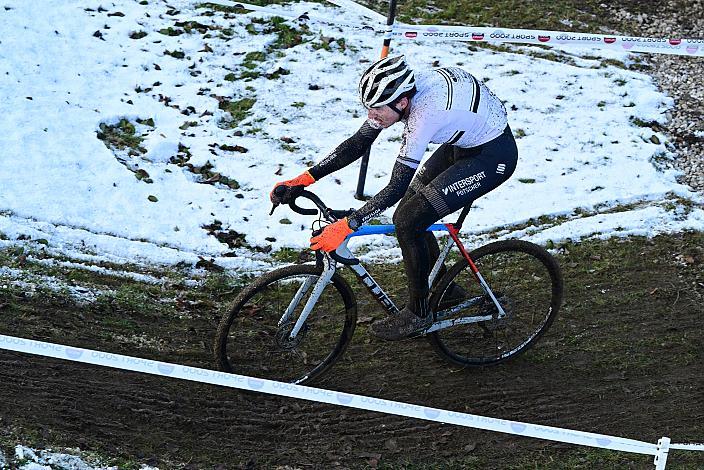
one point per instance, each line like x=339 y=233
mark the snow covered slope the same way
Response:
x=212 y=108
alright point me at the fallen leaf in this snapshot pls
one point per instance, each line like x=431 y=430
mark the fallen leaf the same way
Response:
x=391 y=444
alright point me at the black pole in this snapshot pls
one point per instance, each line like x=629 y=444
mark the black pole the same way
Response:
x=359 y=194
x=365 y=158
x=389 y=22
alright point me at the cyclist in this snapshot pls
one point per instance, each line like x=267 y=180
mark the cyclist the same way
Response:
x=446 y=106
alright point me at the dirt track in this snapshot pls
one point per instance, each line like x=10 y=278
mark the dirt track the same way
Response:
x=624 y=358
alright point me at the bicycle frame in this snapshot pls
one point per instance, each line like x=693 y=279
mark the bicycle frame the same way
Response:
x=330 y=266
x=368 y=280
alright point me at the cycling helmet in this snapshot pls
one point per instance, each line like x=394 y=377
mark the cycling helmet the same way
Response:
x=384 y=81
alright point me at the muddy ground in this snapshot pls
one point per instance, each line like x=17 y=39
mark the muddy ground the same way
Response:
x=624 y=358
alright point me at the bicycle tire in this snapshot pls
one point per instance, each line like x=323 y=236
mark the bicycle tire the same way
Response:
x=250 y=342
x=538 y=287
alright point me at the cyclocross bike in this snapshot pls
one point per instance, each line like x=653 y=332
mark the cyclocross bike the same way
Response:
x=293 y=323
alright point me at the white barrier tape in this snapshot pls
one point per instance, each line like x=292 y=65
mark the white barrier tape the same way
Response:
x=135 y=364
x=302 y=17
x=697 y=447
x=673 y=46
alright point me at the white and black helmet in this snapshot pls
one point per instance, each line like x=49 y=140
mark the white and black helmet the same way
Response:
x=384 y=81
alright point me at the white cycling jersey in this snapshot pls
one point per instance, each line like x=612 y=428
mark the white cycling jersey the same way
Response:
x=450 y=107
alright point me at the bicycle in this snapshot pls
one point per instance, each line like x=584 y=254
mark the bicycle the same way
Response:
x=271 y=332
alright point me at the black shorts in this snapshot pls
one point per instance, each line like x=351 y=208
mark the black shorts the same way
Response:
x=453 y=177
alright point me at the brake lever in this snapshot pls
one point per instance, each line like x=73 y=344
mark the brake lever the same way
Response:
x=274 y=205
x=279 y=191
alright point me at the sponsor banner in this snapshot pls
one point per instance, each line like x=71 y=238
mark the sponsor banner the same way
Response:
x=195 y=374
x=673 y=46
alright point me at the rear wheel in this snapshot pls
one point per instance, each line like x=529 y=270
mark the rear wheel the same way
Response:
x=253 y=340
x=527 y=282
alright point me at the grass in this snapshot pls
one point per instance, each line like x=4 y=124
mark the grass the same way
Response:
x=573 y=459
x=503 y=12
x=641 y=123
x=121 y=136
x=252 y=59
x=286 y=255
x=237 y=10
x=287 y=36
x=122 y=294
x=175 y=54
x=171 y=31
x=239 y=110
x=250 y=62
x=583 y=16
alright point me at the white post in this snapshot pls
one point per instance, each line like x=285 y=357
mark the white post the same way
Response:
x=661 y=457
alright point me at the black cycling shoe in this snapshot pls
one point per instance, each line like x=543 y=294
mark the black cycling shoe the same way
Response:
x=453 y=296
x=401 y=325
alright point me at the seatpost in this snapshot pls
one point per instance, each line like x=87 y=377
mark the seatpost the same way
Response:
x=463 y=215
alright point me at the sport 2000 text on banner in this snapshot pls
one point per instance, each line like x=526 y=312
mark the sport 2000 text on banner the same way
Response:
x=177 y=371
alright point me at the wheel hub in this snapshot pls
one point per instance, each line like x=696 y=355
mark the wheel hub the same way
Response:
x=283 y=336
x=489 y=308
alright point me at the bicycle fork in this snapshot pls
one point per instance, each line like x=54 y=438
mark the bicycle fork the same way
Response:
x=323 y=280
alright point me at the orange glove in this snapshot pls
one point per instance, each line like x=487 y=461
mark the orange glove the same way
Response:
x=333 y=235
x=302 y=180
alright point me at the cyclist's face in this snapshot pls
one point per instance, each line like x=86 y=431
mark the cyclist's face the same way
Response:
x=384 y=116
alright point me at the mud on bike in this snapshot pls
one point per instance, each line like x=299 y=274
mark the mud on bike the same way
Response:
x=292 y=324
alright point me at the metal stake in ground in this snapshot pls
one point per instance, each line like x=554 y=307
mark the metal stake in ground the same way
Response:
x=359 y=194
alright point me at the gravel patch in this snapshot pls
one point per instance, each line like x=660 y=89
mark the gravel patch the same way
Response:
x=680 y=78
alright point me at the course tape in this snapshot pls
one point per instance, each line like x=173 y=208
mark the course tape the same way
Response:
x=177 y=371
x=673 y=46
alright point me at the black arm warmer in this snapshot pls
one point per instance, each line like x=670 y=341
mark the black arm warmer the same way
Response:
x=401 y=177
x=347 y=152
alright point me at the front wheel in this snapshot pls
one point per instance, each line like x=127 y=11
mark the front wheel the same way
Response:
x=254 y=337
x=525 y=280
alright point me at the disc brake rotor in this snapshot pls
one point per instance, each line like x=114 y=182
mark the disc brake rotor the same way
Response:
x=488 y=307
x=283 y=336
